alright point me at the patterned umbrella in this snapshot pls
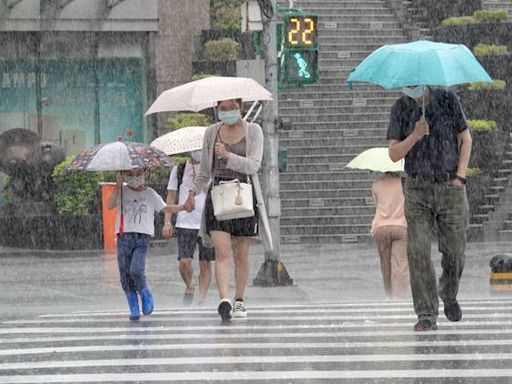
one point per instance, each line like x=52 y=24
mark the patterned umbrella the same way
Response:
x=118 y=156
x=182 y=140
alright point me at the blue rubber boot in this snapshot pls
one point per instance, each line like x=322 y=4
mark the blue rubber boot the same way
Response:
x=147 y=301
x=133 y=302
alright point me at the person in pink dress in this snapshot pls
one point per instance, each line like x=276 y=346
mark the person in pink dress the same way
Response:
x=389 y=230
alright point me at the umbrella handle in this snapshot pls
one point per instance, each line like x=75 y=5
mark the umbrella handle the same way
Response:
x=423 y=109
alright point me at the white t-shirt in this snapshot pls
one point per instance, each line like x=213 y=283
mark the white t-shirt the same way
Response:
x=139 y=210
x=185 y=219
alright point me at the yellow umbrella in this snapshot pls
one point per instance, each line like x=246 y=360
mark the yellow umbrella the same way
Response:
x=376 y=159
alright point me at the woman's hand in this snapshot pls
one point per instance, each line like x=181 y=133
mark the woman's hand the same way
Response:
x=221 y=151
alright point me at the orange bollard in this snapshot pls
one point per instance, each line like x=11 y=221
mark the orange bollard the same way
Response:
x=108 y=218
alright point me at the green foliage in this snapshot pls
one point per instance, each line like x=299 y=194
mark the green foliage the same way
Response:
x=480 y=16
x=75 y=191
x=490 y=16
x=199 y=76
x=222 y=50
x=225 y=14
x=482 y=125
x=188 y=119
x=473 y=171
x=158 y=175
x=496 y=85
x=180 y=159
x=5 y=192
x=490 y=49
x=461 y=20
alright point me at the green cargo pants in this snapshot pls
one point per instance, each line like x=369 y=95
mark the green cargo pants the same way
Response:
x=442 y=203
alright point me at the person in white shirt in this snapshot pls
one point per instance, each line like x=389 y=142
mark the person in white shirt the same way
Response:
x=187 y=229
x=134 y=228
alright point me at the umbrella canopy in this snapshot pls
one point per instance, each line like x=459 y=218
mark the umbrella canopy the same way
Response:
x=205 y=93
x=419 y=63
x=376 y=159
x=185 y=139
x=119 y=156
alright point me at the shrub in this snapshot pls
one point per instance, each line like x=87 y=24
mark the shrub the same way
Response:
x=222 y=50
x=480 y=16
x=188 y=119
x=490 y=49
x=225 y=14
x=5 y=192
x=490 y=16
x=461 y=20
x=158 y=175
x=75 y=192
x=496 y=85
x=482 y=125
x=473 y=171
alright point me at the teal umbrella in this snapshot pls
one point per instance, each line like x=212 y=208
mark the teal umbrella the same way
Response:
x=419 y=63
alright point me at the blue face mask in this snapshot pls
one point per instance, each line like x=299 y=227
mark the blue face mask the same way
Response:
x=230 y=117
x=414 y=93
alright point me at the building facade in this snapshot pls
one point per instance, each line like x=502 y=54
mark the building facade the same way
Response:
x=83 y=72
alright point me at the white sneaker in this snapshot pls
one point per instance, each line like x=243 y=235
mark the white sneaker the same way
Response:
x=239 y=310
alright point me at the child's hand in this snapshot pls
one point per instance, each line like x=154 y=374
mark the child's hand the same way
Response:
x=119 y=179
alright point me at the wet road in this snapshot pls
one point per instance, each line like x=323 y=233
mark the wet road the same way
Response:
x=352 y=342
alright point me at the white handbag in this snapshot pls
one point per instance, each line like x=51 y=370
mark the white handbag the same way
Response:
x=232 y=200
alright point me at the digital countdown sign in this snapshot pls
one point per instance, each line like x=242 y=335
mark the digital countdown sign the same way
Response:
x=301 y=32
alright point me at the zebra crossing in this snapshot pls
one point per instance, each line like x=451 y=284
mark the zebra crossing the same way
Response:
x=352 y=342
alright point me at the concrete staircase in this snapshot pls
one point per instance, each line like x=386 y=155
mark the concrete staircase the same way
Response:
x=493 y=219
x=322 y=201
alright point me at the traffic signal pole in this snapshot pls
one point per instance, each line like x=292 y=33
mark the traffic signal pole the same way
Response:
x=272 y=272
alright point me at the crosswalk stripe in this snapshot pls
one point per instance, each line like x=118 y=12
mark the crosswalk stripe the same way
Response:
x=253 y=360
x=203 y=336
x=266 y=345
x=148 y=329
x=315 y=317
x=405 y=306
x=262 y=375
x=319 y=311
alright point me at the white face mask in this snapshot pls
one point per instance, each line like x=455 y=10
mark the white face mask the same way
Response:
x=135 y=181
x=414 y=93
x=196 y=155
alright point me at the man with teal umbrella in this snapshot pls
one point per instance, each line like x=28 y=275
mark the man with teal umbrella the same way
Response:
x=436 y=146
x=428 y=129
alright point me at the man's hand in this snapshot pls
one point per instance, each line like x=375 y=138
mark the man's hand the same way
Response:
x=421 y=128
x=167 y=231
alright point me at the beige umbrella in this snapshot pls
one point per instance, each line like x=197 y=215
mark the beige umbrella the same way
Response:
x=377 y=160
x=182 y=140
x=205 y=93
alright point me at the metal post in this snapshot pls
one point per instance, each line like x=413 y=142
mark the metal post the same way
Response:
x=272 y=272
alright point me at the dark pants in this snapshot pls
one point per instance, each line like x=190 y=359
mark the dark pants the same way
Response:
x=131 y=259
x=441 y=203
x=187 y=240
